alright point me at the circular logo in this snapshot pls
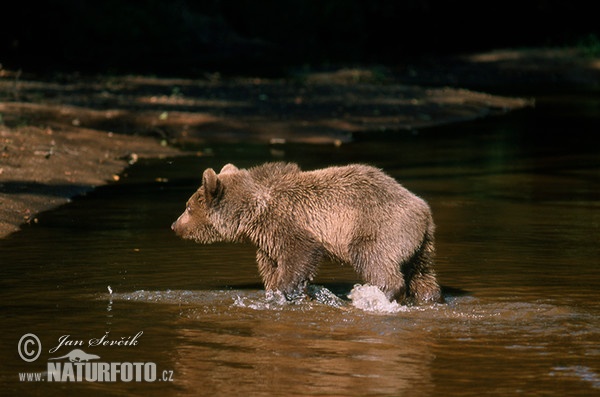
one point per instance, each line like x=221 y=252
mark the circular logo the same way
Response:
x=29 y=347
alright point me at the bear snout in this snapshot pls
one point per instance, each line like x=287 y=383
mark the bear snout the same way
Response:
x=176 y=226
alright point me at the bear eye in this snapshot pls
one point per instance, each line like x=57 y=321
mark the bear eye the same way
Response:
x=188 y=208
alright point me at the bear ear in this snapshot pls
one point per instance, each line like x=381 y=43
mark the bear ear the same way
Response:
x=228 y=168
x=211 y=184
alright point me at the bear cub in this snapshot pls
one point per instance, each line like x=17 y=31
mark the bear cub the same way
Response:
x=354 y=214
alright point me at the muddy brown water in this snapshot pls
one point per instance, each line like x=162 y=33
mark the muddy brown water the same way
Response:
x=516 y=200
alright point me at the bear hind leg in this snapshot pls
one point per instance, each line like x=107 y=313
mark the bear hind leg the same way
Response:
x=380 y=272
x=422 y=285
x=423 y=288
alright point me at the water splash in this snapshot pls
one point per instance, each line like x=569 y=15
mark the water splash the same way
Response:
x=366 y=297
x=168 y=296
x=275 y=300
x=271 y=300
x=371 y=299
x=325 y=296
x=584 y=373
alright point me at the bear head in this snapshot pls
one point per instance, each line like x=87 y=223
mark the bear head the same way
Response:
x=205 y=217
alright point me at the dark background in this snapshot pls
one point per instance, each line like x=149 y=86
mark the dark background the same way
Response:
x=187 y=37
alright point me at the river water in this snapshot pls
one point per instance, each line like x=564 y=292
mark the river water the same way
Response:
x=516 y=200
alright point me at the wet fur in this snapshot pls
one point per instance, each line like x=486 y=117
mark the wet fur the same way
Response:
x=355 y=215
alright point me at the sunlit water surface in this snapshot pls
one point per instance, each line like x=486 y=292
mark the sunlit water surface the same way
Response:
x=516 y=201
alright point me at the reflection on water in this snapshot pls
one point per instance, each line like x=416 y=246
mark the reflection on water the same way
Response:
x=516 y=202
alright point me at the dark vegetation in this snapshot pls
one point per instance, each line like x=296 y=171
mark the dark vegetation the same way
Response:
x=187 y=37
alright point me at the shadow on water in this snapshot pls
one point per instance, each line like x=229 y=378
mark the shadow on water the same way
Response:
x=516 y=204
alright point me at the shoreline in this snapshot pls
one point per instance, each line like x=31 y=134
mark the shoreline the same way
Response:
x=43 y=168
x=62 y=139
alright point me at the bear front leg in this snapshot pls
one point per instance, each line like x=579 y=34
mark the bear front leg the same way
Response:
x=267 y=268
x=290 y=273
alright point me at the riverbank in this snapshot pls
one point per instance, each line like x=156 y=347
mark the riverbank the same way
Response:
x=44 y=167
x=62 y=137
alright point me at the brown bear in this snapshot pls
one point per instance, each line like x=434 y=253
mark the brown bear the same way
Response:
x=353 y=214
